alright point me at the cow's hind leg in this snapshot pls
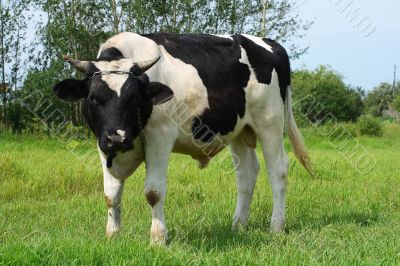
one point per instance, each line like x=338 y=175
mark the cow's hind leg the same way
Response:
x=247 y=168
x=271 y=139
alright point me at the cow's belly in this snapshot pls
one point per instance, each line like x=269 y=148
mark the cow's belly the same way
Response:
x=195 y=148
x=204 y=151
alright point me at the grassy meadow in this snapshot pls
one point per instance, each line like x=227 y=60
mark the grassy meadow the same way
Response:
x=52 y=208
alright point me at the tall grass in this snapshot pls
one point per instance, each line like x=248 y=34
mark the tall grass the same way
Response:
x=52 y=209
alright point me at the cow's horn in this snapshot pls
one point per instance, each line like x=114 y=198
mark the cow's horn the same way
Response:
x=82 y=66
x=145 y=65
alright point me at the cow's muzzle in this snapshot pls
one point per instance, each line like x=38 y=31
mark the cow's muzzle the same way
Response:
x=113 y=143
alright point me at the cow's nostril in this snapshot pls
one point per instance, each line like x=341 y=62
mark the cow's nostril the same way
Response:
x=109 y=141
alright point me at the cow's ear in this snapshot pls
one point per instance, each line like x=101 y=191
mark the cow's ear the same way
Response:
x=156 y=92
x=71 y=90
x=159 y=93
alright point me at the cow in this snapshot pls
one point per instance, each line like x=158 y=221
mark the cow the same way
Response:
x=148 y=95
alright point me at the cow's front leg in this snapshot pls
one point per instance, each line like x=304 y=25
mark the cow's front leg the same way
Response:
x=155 y=190
x=113 y=188
x=114 y=178
x=157 y=156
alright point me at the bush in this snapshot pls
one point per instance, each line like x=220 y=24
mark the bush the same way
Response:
x=396 y=103
x=15 y=117
x=369 y=126
x=352 y=129
x=339 y=130
x=387 y=120
x=321 y=95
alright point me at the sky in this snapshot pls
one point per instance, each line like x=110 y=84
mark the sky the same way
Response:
x=363 y=47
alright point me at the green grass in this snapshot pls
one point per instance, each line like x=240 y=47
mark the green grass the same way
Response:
x=53 y=212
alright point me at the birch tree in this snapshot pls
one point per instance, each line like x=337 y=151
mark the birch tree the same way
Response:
x=12 y=24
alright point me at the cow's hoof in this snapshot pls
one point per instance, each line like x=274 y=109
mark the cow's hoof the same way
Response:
x=110 y=234
x=111 y=231
x=278 y=227
x=158 y=238
x=238 y=224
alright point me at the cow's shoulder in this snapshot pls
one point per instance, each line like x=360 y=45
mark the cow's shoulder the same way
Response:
x=217 y=61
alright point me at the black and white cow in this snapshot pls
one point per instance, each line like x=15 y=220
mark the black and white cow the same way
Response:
x=149 y=95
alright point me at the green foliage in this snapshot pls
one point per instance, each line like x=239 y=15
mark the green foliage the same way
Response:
x=380 y=98
x=15 y=116
x=36 y=110
x=217 y=17
x=365 y=126
x=75 y=28
x=369 y=126
x=321 y=95
x=352 y=129
x=37 y=94
x=345 y=129
x=396 y=103
x=13 y=24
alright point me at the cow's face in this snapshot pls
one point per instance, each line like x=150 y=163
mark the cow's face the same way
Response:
x=118 y=99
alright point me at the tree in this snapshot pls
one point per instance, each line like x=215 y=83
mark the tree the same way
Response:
x=75 y=28
x=12 y=25
x=322 y=95
x=380 y=98
x=116 y=14
x=40 y=105
x=281 y=23
x=273 y=19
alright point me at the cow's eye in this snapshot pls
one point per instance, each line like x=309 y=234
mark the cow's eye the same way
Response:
x=96 y=101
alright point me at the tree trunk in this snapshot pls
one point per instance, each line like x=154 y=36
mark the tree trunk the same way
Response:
x=233 y=17
x=115 y=16
x=263 y=22
x=174 y=17
x=3 y=63
x=16 y=65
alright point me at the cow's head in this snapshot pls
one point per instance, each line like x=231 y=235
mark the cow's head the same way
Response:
x=118 y=99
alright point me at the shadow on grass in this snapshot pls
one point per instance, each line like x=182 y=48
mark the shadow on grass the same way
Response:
x=353 y=217
x=220 y=236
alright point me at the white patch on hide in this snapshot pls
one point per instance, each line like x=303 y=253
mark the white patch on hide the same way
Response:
x=115 y=81
x=223 y=36
x=258 y=41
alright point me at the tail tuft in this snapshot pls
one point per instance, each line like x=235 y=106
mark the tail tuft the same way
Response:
x=295 y=137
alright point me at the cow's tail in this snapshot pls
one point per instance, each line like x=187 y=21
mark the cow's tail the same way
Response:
x=295 y=137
